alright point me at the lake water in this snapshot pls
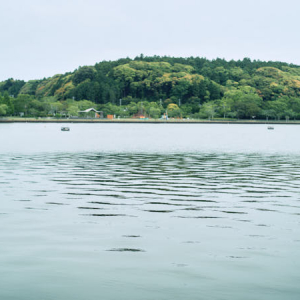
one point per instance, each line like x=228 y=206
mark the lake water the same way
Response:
x=149 y=211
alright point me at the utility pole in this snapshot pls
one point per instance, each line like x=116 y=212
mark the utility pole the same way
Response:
x=120 y=101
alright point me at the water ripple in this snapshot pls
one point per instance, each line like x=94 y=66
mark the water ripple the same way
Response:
x=127 y=184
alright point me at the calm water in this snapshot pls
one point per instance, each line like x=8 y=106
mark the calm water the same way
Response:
x=121 y=211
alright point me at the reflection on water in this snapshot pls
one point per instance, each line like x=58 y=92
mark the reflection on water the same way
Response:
x=150 y=226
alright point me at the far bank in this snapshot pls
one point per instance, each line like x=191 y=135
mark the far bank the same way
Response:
x=147 y=121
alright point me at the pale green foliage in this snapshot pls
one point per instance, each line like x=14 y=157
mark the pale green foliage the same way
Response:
x=3 y=109
x=208 y=110
x=172 y=106
x=73 y=110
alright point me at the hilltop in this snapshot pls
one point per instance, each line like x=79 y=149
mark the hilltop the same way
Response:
x=191 y=87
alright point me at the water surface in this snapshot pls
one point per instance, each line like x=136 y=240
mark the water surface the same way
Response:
x=122 y=211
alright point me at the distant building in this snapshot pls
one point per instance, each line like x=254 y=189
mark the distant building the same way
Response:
x=139 y=115
x=91 y=113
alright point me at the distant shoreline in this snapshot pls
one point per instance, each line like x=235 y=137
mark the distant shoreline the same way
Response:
x=138 y=121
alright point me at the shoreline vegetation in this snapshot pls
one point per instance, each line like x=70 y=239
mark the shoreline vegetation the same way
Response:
x=155 y=87
x=148 y=121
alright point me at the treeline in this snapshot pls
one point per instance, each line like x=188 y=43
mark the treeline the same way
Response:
x=181 y=87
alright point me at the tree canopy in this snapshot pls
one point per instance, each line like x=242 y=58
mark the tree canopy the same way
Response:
x=200 y=88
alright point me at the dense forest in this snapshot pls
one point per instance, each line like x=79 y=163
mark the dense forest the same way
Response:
x=191 y=87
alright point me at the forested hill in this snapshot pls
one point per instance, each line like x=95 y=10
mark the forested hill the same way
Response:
x=187 y=87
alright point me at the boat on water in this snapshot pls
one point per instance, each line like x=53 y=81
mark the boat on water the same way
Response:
x=270 y=127
x=65 y=129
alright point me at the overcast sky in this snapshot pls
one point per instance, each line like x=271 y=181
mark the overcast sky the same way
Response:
x=41 y=38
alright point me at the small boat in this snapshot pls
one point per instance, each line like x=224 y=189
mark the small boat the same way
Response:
x=270 y=127
x=65 y=129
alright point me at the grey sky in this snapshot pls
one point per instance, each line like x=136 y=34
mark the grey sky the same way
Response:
x=41 y=38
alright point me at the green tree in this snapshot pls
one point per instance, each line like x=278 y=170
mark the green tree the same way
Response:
x=72 y=110
x=132 y=108
x=154 y=113
x=208 y=110
x=84 y=73
x=224 y=107
x=7 y=100
x=22 y=103
x=175 y=113
x=3 y=109
x=248 y=106
x=279 y=107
